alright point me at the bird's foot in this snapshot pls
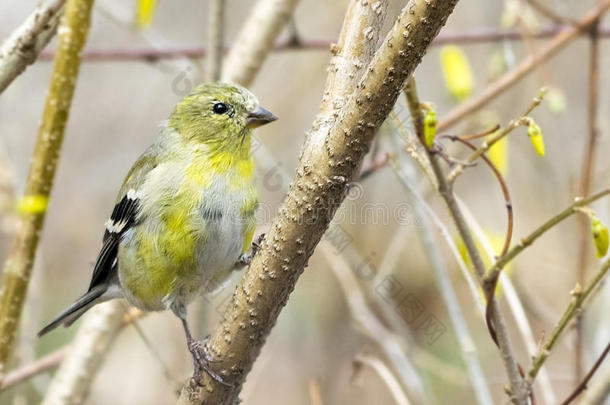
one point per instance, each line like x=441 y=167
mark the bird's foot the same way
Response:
x=246 y=258
x=255 y=246
x=202 y=359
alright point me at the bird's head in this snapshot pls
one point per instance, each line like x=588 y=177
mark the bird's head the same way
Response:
x=219 y=114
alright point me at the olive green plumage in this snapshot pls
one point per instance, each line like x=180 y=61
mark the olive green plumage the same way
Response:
x=185 y=213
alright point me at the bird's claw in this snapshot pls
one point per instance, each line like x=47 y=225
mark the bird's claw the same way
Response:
x=255 y=246
x=202 y=359
x=246 y=258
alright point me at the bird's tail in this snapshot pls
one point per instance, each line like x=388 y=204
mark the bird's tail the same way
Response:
x=79 y=307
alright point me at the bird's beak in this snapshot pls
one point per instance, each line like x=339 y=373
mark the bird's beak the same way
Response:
x=259 y=116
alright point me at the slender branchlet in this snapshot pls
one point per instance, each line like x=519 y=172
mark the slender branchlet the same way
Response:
x=18 y=266
x=559 y=41
x=518 y=390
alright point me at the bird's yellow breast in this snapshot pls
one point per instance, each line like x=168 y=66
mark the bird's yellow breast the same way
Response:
x=190 y=232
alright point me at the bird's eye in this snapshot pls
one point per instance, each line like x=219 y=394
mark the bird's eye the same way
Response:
x=220 y=108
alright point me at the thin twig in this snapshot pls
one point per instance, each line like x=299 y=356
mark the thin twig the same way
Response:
x=518 y=390
x=599 y=391
x=54 y=359
x=509 y=231
x=586 y=179
x=492 y=273
x=390 y=343
x=41 y=365
x=480 y=134
x=512 y=299
x=72 y=380
x=442 y=229
x=386 y=376
x=443 y=280
x=583 y=385
x=18 y=266
x=153 y=54
x=579 y=296
x=503 y=186
x=154 y=352
x=550 y=13
x=562 y=39
x=487 y=35
x=459 y=168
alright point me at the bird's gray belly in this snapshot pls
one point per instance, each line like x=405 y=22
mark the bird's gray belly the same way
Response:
x=218 y=252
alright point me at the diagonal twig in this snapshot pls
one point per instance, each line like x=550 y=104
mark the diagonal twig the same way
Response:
x=562 y=39
x=18 y=266
x=518 y=390
x=579 y=296
x=586 y=177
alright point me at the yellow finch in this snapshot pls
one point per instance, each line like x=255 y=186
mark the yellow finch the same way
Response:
x=185 y=214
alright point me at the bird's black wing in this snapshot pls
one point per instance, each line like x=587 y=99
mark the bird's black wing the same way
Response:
x=123 y=217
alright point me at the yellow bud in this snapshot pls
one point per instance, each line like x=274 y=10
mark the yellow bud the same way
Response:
x=600 y=236
x=429 y=127
x=457 y=72
x=146 y=9
x=498 y=154
x=535 y=134
x=33 y=204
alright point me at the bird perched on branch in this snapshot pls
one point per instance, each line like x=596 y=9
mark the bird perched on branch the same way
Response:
x=185 y=214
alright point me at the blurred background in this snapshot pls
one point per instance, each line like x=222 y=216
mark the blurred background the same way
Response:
x=310 y=353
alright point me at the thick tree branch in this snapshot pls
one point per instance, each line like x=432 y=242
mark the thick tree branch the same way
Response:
x=18 y=266
x=25 y=43
x=325 y=169
x=352 y=52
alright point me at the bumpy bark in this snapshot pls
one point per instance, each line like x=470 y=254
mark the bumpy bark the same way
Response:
x=328 y=163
